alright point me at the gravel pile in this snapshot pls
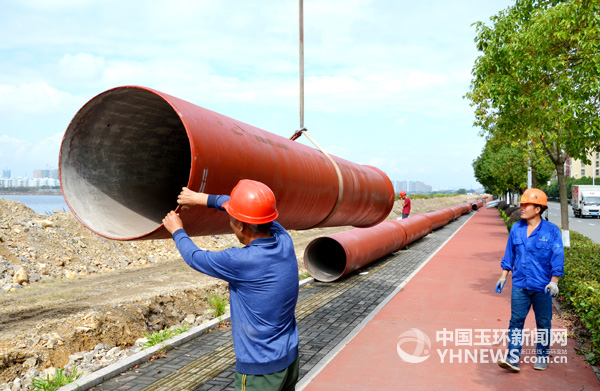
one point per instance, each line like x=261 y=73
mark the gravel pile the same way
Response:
x=35 y=247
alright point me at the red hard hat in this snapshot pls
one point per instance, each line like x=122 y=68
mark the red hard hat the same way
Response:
x=402 y=193
x=534 y=196
x=252 y=202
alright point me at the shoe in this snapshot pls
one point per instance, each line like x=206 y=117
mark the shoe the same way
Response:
x=509 y=365
x=541 y=363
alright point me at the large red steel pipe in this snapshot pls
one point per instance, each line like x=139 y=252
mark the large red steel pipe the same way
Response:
x=438 y=218
x=450 y=213
x=467 y=207
x=128 y=152
x=330 y=257
x=457 y=210
x=416 y=226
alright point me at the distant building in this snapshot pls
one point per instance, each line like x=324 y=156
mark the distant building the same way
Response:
x=28 y=182
x=412 y=187
x=44 y=173
x=6 y=173
x=54 y=174
x=400 y=186
x=579 y=169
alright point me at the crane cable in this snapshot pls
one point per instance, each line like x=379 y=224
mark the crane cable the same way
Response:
x=304 y=131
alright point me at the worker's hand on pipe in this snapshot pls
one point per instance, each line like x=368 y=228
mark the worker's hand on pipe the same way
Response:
x=500 y=284
x=189 y=197
x=552 y=288
x=172 y=222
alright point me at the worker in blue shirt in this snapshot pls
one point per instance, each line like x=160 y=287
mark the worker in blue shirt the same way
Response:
x=535 y=255
x=263 y=283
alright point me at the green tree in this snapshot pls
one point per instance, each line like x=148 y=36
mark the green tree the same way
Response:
x=503 y=167
x=538 y=78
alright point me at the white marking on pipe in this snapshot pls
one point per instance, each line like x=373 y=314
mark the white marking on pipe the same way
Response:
x=203 y=184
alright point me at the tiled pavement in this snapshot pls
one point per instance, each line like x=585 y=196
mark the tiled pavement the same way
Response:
x=327 y=313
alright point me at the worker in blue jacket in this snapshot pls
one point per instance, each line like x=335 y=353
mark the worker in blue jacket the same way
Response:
x=535 y=255
x=263 y=283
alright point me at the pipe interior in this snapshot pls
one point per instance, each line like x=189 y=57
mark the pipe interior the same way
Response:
x=124 y=159
x=325 y=259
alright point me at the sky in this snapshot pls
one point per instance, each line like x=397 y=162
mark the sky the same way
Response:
x=384 y=79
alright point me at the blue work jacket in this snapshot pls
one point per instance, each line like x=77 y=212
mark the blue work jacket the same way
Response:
x=263 y=292
x=535 y=259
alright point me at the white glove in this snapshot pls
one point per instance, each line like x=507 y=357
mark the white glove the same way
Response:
x=552 y=288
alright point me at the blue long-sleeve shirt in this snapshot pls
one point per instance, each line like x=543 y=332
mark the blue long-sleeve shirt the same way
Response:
x=535 y=259
x=263 y=292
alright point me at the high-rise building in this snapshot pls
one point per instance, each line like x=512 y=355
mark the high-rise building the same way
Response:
x=400 y=186
x=43 y=173
x=413 y=187
x=53 y=174
x=6 y=173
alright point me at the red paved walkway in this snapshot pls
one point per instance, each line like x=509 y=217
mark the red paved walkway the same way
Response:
x=453 y=291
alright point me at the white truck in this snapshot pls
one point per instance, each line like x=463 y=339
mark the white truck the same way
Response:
x=586 y=200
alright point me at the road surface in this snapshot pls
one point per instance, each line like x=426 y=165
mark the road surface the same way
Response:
x=587 y=226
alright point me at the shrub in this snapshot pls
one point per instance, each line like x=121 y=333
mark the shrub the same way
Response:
x=514 y=216
x=580 y=289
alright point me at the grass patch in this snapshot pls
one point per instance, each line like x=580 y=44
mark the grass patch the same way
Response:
x=304 y=275
x=61 y=378
x=160 y=336
x=218 y=304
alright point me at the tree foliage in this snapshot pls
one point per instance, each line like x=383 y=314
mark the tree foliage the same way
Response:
x=538 y=78
x=503 y=167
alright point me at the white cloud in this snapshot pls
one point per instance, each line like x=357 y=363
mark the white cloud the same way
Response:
x=24 y=156
x=38 y=98
x=81 y=66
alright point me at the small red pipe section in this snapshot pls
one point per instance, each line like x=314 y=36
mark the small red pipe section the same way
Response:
x=331 y=257
x=477 y=204
x=128 y=152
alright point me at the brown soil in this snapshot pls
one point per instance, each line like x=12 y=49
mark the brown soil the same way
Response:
x=84 y=289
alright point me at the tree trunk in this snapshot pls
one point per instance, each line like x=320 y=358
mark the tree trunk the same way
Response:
x=533 y=178
x=564 y=205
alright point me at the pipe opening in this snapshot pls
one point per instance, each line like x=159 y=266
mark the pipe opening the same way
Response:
x=124 y=159
x=325 y=259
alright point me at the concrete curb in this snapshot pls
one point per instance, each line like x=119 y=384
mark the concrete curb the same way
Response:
x=126 y=364
x=121 y=366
